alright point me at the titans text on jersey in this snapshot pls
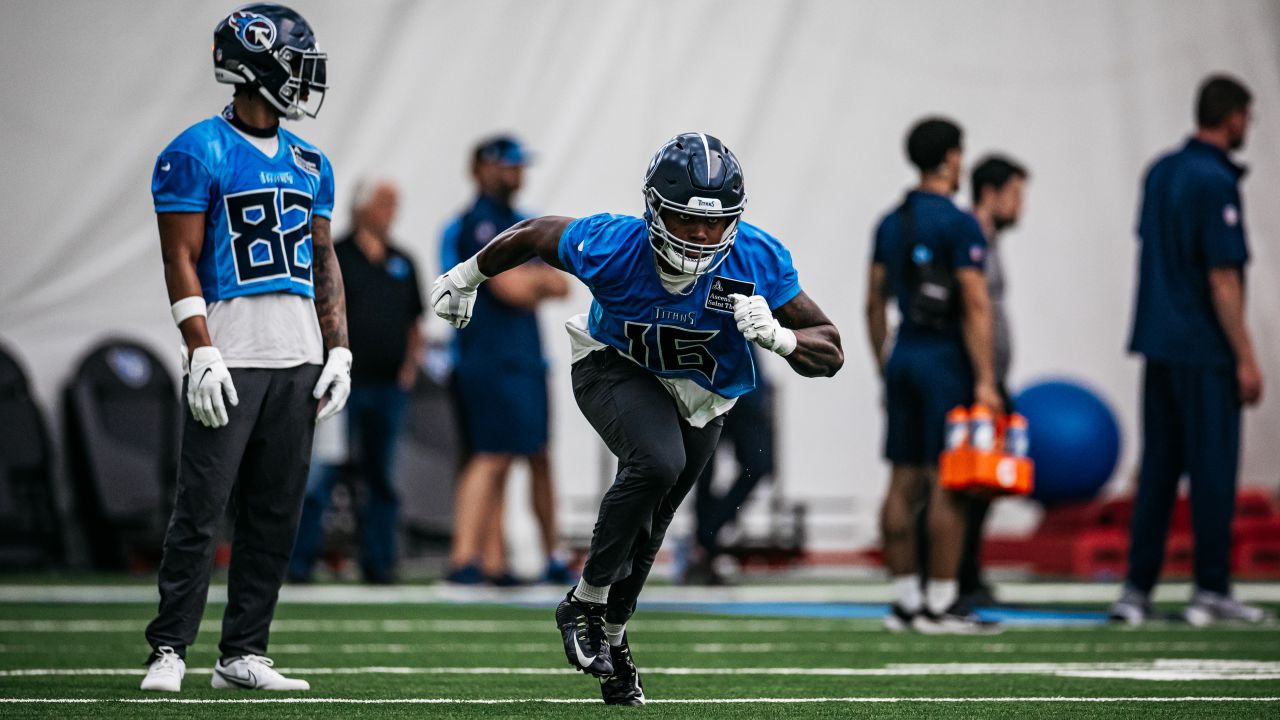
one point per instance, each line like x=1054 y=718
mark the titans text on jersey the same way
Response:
x=259 y=208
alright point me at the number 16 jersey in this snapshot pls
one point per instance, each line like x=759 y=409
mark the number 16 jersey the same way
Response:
x=689 y=339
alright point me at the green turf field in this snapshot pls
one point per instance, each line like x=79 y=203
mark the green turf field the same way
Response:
x=455 y=660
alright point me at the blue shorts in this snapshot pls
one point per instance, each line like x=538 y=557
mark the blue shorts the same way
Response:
x=503 y=409
x=923 y=381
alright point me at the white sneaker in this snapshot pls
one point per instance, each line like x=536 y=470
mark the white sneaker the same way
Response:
x=253 y=672
x=166 y=671
x=1209 y=607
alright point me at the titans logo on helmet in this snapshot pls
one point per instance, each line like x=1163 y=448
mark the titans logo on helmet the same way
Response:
x=257 y=33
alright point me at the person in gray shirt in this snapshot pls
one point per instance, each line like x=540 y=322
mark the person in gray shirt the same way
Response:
x=997 y=184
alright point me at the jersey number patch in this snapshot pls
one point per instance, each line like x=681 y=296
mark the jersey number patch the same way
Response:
x=263 y=249
x=678 y=348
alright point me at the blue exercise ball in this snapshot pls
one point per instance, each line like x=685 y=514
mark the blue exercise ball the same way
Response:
x=1075 y=440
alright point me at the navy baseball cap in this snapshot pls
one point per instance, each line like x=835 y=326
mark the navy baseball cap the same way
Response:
x=506 y=149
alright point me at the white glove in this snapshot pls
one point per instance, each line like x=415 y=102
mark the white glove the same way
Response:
x=208 y=378
x=757 y=324
x=454 y=293
x=335 y=379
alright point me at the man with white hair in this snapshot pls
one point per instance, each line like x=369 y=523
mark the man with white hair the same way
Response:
x=385 y=308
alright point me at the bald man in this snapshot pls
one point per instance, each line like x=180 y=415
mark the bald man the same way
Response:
x=384 y=307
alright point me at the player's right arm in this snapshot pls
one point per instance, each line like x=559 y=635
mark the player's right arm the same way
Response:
x=977 y=324
x=181 y=240
x=453 y=293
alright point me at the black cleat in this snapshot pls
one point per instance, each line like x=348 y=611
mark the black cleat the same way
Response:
x=582 y=627
x=899 y=620
x=955 y=621
x=623 y=686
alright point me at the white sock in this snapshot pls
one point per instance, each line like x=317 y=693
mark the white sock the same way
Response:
x=614 y=632
x=940 y=595
x=906 y=592
x=587 y=592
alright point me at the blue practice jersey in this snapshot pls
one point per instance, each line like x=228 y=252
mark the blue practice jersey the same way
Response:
x=258 y=209
x=690 y=336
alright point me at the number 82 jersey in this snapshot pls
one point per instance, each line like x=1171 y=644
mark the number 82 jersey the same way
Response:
x=258 y=209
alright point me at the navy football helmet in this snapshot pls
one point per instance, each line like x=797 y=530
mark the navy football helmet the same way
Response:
x=693 y=174
x=273 y=48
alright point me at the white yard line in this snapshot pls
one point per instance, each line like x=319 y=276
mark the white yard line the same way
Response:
x=654 y=625
x=1164 y=669
x=661 y=701
x=424 y=626
x=547 y=595
x=708 y=648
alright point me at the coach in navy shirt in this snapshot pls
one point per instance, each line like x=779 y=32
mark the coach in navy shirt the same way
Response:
x=500 y=377
x=939 y=360
x=1200 y=370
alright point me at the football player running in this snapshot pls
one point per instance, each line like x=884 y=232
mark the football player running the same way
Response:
x=243 y=207
x=658 y=360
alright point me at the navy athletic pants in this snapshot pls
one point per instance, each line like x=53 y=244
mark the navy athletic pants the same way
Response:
x=1190 y=424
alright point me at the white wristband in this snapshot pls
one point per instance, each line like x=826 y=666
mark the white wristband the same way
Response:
x=468 y=273
x=784 y=341
x=187 y=307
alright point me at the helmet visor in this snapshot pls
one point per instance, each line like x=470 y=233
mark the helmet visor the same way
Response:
x=308 y=80
x=690 y=258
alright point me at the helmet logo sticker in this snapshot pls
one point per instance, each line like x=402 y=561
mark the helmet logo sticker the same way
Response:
x=708 y=203
x=257 y=33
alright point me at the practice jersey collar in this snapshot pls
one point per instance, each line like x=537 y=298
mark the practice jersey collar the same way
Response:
x=229 y=114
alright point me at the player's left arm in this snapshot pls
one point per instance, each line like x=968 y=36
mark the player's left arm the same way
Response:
x=818 y=352
x=331 y=310
x=331 y=301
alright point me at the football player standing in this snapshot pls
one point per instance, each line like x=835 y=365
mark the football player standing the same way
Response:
x=658 y=360
x=243 y=207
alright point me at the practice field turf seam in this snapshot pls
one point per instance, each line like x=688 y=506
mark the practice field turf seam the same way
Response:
x=1156 y=670
x=877 y=592
x=715 y=648
x=657 y=701
x=506 y=627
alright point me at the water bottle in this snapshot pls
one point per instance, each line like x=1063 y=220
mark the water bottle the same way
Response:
x=982 y=428
x=1017 y=438
x=957 y=428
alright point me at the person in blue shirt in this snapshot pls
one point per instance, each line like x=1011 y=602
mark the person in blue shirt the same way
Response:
x=1189 y=326
x=243 y=207
x=500 y=379
x=942 y=357
x=657 y=361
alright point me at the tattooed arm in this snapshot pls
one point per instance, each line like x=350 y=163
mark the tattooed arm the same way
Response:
x=818 y=352
x=331 y=302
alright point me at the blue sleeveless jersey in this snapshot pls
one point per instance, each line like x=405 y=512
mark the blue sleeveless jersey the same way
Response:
x=690 y=336
x=258 y=209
